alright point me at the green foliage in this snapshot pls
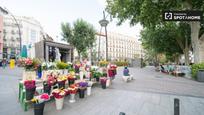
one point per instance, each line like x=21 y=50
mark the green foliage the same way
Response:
x=103 y=63
x=148 y=12
x=81 y=36
x=62 y=65
x=121 y=63
x=195 y=68
x=97 y=74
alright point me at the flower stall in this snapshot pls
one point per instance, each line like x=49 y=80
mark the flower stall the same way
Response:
x=58 y=80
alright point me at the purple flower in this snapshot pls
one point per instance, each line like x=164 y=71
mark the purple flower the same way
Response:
x=83 y=84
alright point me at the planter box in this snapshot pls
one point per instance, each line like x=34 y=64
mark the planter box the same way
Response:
x=200 y=75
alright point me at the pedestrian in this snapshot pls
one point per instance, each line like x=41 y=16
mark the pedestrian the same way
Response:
x=4 y=63
x=126 y=71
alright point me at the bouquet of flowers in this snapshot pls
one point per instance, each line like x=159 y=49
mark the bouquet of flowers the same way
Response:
x=58 y=93
x=51 y=80
x=29 y=84
x=41 y=98
x=62 y=78
x=103 y=80
x=70 y=77
x=82 y=84
x=72 y=89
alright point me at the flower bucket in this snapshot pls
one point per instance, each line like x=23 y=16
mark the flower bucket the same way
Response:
x=81 y=75
x=71 y=81
x=72 y=98
x=108 y=82
x=59 y=103
x=47 y=89
x=30 y=93
x=81 y=93
x=61 y=85
x=39 y=108
x=103 y=85
x=39 y=74
x=97 y=79
x=88 y=91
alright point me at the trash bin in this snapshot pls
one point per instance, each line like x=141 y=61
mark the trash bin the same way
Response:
x=200 y=75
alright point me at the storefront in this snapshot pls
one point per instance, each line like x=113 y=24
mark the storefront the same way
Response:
x=53 y=51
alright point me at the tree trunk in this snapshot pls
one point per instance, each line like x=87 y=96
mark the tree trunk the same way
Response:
x=79 y=54
x=195 y=28
x=186 y=54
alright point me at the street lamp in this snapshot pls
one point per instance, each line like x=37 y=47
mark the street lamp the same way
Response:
x=19 y=30
x=104 y=23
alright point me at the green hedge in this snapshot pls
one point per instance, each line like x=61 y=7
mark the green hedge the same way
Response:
x=195 y=68
x=121 y=63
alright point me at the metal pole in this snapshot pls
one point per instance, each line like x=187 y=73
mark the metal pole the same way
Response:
x=99 y=43
x=106 y=43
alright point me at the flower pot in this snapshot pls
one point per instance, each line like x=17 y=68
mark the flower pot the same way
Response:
x=39 y=108
x=97 y=79
x=72 y=98
x=61 y=85
x=81 y=74
x=71 y=81
x=39 y=74
x=108 y=82
x=59 y=103
x=103 y=85
x=81 y=93
x=30 y=93
x=88 y=91
x=47 y=89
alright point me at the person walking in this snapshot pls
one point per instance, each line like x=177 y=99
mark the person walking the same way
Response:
x=4 y=63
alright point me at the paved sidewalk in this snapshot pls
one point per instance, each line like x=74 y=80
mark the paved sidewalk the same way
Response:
x=150 y=93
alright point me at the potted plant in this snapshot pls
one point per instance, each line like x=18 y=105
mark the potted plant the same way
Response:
x=71 y=79
x=61 y=81
x=103 y=82
x=72 y=91
x=90 y=83
x=39 y=71
x=48 y=84
x=82 y=88
x=97 y=75
x=30 y=89
x=59 y=98
x=76 y=67
x=39 y=103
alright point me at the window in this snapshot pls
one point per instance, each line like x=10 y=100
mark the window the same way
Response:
x=12 y=32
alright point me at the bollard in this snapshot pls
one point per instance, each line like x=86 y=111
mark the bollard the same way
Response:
x=121 y=113
x=176 y=106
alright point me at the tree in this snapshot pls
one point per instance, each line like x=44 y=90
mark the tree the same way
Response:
x=81 y=36
x=149 y=14
x=170 y=39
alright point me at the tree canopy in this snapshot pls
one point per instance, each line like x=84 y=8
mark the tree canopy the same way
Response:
x=81 y=35
x=149 y=14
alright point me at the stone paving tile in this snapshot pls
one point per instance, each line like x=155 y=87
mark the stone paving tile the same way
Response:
x=151 y=93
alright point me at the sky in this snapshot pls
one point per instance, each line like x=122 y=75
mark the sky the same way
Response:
x=51 y=13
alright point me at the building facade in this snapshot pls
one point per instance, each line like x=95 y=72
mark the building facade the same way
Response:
x=30 y=30
x=119 y=46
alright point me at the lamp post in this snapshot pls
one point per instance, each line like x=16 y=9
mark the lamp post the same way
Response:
x=104 y=23
x=19 y=30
